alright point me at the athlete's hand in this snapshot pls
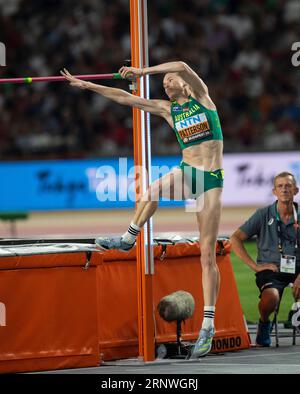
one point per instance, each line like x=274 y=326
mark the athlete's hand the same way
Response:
x=131 y=72
x=73 y=81
x=266 y=266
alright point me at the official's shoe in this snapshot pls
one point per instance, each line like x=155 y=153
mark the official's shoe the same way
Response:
x=203 y=344
x=263 y=337
x=113 y=243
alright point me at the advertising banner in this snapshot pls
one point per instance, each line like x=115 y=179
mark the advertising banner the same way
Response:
x=74 y=184
x=249 y=176
x=109 y=182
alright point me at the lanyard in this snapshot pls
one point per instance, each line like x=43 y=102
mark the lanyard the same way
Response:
x=295 y=225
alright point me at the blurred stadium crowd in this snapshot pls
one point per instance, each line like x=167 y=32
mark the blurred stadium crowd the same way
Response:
x=242 y=50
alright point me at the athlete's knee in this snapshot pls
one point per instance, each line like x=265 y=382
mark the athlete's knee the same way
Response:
x=151 y=195
x=208 y=257
x=149 y=205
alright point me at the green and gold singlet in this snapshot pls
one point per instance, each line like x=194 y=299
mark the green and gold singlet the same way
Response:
x=194 y=124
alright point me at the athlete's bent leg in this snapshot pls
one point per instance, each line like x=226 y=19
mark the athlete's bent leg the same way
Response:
x=163 y=187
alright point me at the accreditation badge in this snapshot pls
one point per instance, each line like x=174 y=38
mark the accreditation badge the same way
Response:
x=288 y=264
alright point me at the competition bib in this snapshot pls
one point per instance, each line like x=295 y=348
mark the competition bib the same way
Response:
x=193 y=128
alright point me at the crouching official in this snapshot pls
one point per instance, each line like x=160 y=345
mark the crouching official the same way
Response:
x=278 y=242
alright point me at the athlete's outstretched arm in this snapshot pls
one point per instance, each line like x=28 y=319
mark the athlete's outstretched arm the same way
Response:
x=179 y=67
x=156 y=107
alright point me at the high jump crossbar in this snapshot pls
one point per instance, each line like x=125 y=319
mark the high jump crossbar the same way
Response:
x=59 y=78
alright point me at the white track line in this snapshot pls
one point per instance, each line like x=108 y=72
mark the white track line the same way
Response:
x=247 y=365
x=264 y=354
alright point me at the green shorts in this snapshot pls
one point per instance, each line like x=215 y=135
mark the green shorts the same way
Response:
x=211 y=179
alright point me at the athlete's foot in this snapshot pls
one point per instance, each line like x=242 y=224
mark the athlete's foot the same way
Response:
x=105 y=243
x=203 y=344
